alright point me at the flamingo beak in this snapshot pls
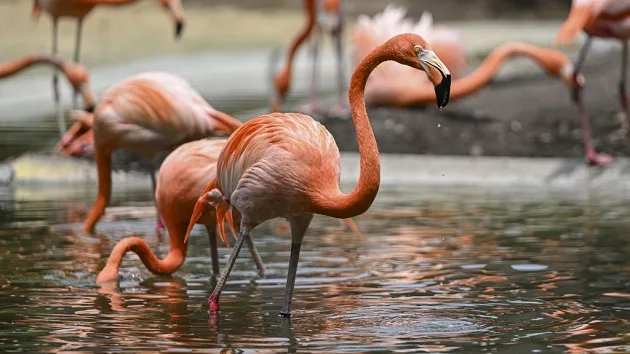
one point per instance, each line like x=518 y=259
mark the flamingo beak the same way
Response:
x=179 y=28
x=439 y=75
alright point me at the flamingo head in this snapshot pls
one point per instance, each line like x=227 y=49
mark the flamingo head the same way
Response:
x=79 y=139
x=412 y=50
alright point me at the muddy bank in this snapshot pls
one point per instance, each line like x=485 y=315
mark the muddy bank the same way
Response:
x=528 y=117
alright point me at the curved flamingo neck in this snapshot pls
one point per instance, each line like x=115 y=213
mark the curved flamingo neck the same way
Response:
x=309 y=6
x=335 y=203
x=482 y=76
x=13 y=67
x=173 y=260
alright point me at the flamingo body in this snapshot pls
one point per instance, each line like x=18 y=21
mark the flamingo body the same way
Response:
x=148 y=113
x=249 y=175
x=183 y=176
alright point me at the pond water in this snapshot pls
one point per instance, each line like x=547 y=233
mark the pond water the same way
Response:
x=437 y=270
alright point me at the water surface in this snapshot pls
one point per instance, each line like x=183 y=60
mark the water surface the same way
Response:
x=437 y=270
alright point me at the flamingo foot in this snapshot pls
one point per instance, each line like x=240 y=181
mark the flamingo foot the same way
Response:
x=213 y=303
x=595 y=159
x=106 y=275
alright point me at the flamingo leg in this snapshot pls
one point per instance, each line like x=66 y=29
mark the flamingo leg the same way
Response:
x=61 y=122
x=592 y=157
x=77 y=50
x=299 y=224
x=623 y=98
x=315 y=46
x=212 y=236
x=213 y=300
x=159 y=227
x=104 y=170
x=342 y=104
x=250 y=244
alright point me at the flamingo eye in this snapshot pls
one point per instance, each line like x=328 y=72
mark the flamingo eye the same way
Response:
x=417 y=48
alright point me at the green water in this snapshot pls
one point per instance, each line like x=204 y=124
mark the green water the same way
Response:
x=437 y=270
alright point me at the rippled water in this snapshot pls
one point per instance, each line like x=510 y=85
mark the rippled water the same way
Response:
x=437 y=270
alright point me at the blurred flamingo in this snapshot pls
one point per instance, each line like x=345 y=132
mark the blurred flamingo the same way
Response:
x=148 y=113
x=322 y=16
x=76 y=74
x=397 y=89
x=79 y=9
x=183 y=176
x=603 y=19
x=287 y=165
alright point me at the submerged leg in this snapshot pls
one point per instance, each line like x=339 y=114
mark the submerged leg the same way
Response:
x=212 y=236
x=213 y=300
x=299 y=224
x=592 y=157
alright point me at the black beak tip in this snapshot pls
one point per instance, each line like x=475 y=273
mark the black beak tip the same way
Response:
x=90 y=109
x=443 y=91
x=179 y=29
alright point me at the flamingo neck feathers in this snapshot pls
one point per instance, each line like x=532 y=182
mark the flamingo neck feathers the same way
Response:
x=311 y=10
x=173 y=260
x=334 y=203
x=13 y=67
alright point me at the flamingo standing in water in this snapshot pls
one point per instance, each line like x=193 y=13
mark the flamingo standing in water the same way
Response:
x=322 y=16
x=603 y=19
x=79 y=9
x=287 y=165
x=147 y=113
x=183 y=176
x=76 y=74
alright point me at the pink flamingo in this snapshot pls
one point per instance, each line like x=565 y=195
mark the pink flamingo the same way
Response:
x=76 y=74
x=322 y=16
x=183 y=176
x=147 y=113
x=287 y=165
x=79 y=9
x=603 y=19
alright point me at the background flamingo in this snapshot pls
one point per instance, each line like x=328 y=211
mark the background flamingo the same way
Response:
x=287 y=165
x=183 y=176
x=79 y=9
x=76 y=74
x=398 y=89
x=147 y=113
x=322 y=16
x=603 y=19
